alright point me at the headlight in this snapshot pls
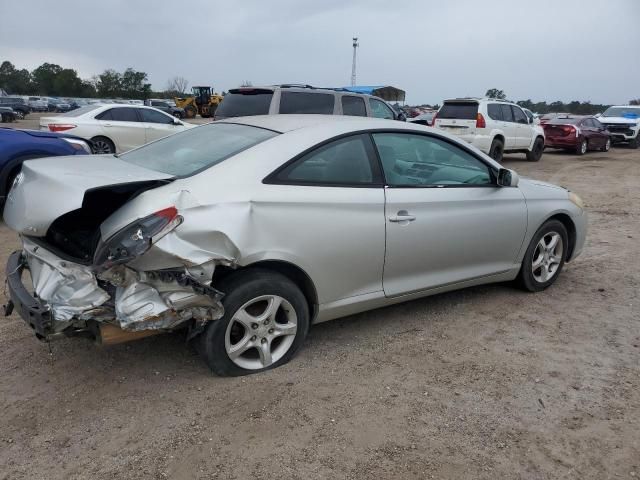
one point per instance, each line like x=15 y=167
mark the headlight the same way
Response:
x=136 y=238
x=78 y=144
x=576 y=200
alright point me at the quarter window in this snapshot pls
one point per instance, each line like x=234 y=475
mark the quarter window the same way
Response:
x=353 y=106
x=380 y=109
x=302 y=102
x=410 y=160
x=342 y=162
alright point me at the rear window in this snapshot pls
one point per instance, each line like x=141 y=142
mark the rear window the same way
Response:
x=302 y=102
x=459 y=110
x=238 y=103
x=564 y=121
x=196 y=149
x=80 y=111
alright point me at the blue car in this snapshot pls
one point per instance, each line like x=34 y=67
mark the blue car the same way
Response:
x=16 y=146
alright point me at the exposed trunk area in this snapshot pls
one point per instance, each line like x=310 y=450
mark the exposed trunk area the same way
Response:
x=76 y=234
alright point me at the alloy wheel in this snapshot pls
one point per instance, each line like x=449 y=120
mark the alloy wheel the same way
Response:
x=607 y=145
x=261 y=332
x=101 y=146
x=583 y=147
x=547 y=257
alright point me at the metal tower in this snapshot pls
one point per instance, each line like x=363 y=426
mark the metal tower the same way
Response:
x=353 y=66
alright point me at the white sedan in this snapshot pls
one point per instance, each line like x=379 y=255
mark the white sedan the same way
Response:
x=115 y=128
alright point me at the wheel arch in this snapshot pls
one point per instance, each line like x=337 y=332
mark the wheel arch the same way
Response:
x=293 y=272
x=566 y=220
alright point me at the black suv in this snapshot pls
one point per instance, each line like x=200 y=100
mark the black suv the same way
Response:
x=18 y=104
x=166 y=107
x=282 y=99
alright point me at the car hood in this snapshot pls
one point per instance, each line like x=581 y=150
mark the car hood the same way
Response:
x=620 y=120
x=533 y=183
x=50 y=187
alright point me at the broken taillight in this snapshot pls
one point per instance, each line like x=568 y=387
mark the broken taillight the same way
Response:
x=60 y=127
x=136 y=238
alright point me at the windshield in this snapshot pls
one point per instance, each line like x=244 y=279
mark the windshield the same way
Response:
x=240 y=103
x=196 y=149
x=628 y=112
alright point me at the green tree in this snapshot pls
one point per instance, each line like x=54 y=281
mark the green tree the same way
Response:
x=13 y=80
x=635 y=101
x=495 y=93
x=134 y=84
x=109 y=83
x=44 y=77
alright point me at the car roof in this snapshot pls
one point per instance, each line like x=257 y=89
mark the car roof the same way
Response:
x=340 y=123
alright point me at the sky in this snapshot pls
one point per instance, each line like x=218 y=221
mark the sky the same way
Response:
x=433 y=49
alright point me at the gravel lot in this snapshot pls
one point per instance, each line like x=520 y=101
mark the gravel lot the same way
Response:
x=485 y=383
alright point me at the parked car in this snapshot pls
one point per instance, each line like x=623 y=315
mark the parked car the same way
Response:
x=7 y=115
x=115 y=128
x=21 y=145
x=292 y=99
x=38 y=104
x=550 y=116
x=624 y=124
x=577 y=133
x=18 y=104
x=494 y=126
x=58 y=105
x=166 y=107
x=239 y=230
x=425 y=119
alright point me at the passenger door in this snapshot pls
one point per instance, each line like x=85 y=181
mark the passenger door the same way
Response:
x=157 y=124
x=510 y=127
x=123 y=126
x=446 y=219
x=524 y=132
x=330 y=204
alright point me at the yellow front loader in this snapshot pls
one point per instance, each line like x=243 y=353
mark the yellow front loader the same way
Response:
x=203 y=102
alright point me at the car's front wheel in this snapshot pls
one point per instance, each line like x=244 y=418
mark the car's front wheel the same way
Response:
x=545 y=257
x=536 y=152
x=266 y=320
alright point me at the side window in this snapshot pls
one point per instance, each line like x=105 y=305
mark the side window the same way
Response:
x=507 y=114
x=106 y=115
x=303 y=102
x=152 y=116
x=353 y=106
x=380 y=109
x=494 y=111
x=410 y=160
x=125 y=114
x=157 y=104
x=519 y=115
x=343 y=162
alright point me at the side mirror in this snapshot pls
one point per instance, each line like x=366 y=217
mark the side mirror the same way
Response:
x=177 y=122
x=507 y=178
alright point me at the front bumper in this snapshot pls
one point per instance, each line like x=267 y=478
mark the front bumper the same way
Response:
x=35 y=313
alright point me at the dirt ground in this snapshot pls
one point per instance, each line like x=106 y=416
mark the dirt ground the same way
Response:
x=485 y=383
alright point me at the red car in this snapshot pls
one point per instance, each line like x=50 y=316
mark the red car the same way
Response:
x=579 y=134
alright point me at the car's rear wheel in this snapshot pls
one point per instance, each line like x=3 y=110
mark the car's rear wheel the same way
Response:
x=101 y=145
x=607 y=145
x=266 y=320
x=19 y=115
x=536 y=152
x=582 y=148
x=545 y=257
x=497 y=150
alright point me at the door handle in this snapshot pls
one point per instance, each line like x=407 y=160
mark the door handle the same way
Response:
x=108 y=125
x=402 y=216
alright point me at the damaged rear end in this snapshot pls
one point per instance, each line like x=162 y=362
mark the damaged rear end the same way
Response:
x=91 y=249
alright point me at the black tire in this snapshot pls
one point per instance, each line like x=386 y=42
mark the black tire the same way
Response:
x=633 y=143
x=527 y=280
x=497 y=150
x=582 y=148
x=536 y=152
x=102 y=145
x=241 y=288
x=190 y=111
x=607 y=145
x=20 y=115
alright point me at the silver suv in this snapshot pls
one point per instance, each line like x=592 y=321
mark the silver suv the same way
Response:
x=283 y=99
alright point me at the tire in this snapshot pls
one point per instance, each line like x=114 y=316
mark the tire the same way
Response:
x=251 y=294
x=102 y=145
x=190 y=111
x=633 y=143
x=20 y=115
x=536 y=152
x=497 y=150
x=549 y=263
x=582 y=147
x=607 y=145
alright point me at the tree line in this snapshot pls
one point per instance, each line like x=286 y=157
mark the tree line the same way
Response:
x=53 y=80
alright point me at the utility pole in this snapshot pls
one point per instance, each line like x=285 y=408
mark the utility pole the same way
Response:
x=353 y=66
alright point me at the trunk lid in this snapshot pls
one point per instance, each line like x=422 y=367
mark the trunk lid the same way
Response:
x=50 y=187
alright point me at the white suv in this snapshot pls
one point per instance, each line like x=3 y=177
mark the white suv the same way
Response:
x=493 y=126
